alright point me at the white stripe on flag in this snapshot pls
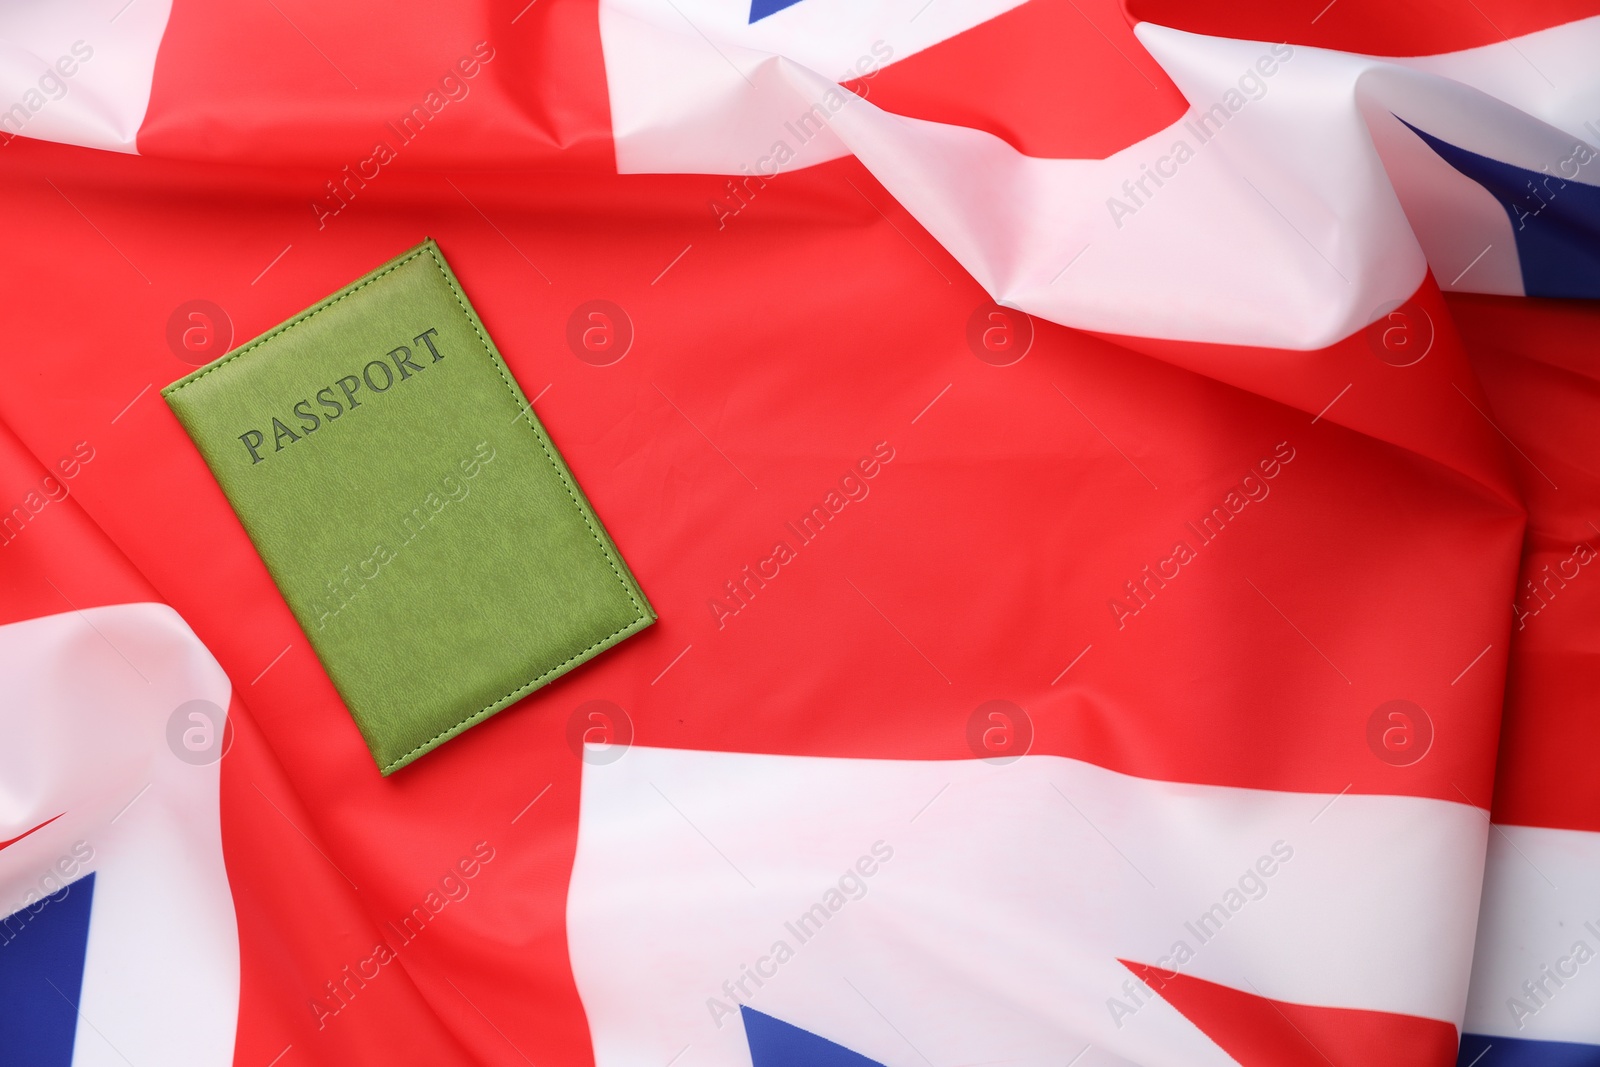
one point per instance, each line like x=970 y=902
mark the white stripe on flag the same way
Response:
x=1540 y=925
x=96 y=708
x=79 y=73
x=993 y=931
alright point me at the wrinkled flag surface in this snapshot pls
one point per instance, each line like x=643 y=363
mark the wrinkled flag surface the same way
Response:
x=1118 y=483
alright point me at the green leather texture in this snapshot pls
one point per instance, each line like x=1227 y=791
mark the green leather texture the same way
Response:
x=412 y=510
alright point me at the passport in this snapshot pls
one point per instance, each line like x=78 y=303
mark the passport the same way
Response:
x=411 y=509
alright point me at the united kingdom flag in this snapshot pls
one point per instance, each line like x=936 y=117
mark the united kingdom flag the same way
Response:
x=1116 y=483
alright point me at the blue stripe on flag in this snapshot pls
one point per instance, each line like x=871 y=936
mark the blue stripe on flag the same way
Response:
x=760 y=9
x=1556 y=222
x=1480 y=1051
x=775 y=1043
x=42 y=950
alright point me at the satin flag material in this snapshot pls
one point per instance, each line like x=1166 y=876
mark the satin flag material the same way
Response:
x=1090 y=529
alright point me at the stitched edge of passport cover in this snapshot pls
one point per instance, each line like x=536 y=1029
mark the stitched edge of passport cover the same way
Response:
x=645 y=614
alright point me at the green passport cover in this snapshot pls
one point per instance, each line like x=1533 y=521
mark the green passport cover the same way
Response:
x=411 y=509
